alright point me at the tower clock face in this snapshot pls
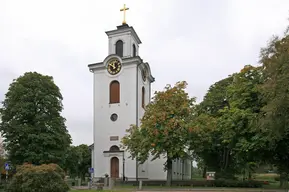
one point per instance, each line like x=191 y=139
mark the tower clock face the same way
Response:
x=144 y=74
x=114 y=66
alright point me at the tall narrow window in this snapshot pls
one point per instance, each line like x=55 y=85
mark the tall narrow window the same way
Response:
x=114 y=92
x=143 y=97
x=119 y=48
x=133 y=50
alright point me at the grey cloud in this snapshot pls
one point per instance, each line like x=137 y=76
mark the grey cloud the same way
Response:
x=80 y=129
x=200 y=41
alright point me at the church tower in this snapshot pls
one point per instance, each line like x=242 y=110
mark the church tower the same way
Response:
x=121 y=90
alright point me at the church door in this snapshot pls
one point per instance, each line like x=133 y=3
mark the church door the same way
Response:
x=114 y=167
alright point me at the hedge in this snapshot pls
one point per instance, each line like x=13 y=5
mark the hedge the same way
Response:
x=200 y=183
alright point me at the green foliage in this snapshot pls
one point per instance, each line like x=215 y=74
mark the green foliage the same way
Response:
x=249 y=116
x=274 y=118
x=238 y=184
x=44 y=178
x=78 y=161
x=73 y=157
x=163 y=128
x=2 y=164
x=274 y=61
x=223 y=128
x=32 y=126
x=214 y=99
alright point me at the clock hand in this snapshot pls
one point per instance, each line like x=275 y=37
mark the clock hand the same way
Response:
x=112 y=65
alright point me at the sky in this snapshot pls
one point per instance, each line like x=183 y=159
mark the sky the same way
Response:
x=199 y=41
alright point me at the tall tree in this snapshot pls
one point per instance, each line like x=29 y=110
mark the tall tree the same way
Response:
x=214 y=99
x=274 y=119
x=85 y=162
x=205 y=139
x=163 y=128
x=72 y=160
x=231 y=104
x=78 y=161
x=32 y=126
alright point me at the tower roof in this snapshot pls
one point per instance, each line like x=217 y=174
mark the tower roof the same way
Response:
x=124 y=29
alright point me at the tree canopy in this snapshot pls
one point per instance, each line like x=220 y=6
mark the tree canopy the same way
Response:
x=32 y=126
x=163 y=127
x=274 y=117
x=243 y=120
x=78 y=161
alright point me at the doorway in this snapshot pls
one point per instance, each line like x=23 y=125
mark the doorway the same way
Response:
x=114 y=167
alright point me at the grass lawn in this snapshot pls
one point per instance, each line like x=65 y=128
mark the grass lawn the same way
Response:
x=270 y=177
x=102 y=190
x=82 y=191
x=201 y=189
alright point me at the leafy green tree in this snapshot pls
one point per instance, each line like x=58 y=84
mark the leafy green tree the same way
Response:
x=163 y=128
x=85 y=162
x=206 y=137
x=72 y=160
x=78 y=161
x=274 y=119
x=213 y=101
x=201 y=141
x=32 y=126
x=231 y=104
x=244 y=104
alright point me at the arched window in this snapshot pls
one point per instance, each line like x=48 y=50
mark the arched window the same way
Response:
x=133 y=50
x=119 y=48
x=114 y=92
x=114 y=148
x=143 y=97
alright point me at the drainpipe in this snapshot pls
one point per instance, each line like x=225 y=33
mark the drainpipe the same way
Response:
x=123 y=168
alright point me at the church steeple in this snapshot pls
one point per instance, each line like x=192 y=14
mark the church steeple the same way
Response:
x=123 y=41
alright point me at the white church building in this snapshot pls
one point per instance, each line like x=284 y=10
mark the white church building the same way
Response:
x=121 y=89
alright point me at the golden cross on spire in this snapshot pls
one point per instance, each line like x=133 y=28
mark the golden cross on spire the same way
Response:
x=124 y=9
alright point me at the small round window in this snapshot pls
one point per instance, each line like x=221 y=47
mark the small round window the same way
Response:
x=113 y=117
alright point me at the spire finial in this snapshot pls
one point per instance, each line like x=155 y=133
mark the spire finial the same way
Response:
x=124 y=9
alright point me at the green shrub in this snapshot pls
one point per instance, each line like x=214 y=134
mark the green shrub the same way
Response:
x=266 y=176
x=42 y=178
x=238 y=184
x=277 y=178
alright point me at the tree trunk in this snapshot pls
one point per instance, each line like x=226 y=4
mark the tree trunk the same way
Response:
x=249 y=175
x=227 y=159
x=284 y=180
x=169 y=172
x=244 y=174
x=205 y=171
